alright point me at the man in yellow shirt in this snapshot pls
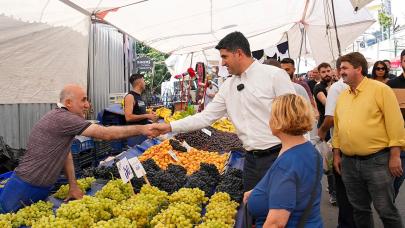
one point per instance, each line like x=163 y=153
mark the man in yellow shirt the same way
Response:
x=367 y=139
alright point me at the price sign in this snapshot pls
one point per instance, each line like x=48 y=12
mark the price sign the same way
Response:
x=185 y=144
x=173 y=155
x=137 y=166
x=125 y=170
x=206 y=131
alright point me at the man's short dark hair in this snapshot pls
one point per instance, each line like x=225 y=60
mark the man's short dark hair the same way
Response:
x=323 y=65
x=234 y=41
x=402 y=53
x=356 y=59
x=134 y=77
x=288 y=60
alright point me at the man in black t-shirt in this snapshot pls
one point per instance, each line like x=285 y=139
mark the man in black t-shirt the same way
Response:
x=314 y=79
x=320 y=90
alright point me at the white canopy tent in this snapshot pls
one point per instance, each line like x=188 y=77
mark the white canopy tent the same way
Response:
x=43 y=45
x=184 y=26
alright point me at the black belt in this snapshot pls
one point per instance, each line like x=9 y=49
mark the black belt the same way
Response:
x=266 y=152
x=366 y=157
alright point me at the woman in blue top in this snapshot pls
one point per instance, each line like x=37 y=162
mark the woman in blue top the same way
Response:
x=282 y=195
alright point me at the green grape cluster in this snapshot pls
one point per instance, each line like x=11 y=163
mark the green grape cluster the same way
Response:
x=189 y=195
x=116 y=190
x=119 y=222
x=177 y=215
x=221 y=209
x=28 y=215
x=142 y=207
x=214 y=224
x=84 y=184
x=51 y=222
x=89 y=209
x=6 y=220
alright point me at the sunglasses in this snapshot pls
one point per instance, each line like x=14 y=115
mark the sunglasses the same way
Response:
x=380 y=68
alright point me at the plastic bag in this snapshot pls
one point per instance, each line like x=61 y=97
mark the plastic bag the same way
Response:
x=325 y=150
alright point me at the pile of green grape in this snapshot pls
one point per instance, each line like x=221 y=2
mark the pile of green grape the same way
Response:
x=142 y=207
x=119 y=222
x=28 y=215
x=177 y=215
x=51 y=222
x=189 y=195
x=221 y=209
x=116 y=190
x=84 y=184
x=6 y=220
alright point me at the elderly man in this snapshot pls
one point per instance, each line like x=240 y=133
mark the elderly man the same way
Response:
x=367 y=138
x=48 y=150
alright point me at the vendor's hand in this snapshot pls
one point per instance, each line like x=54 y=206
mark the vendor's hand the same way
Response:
x=162 y=128
x=246 y=196
x=395 y=166
x=150 y=130
x=337 y=160
x=153 y=117
x=74 y=193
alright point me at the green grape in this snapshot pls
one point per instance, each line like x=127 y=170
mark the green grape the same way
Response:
x=6 y=220
x=221 y=209
x=214 y=224
x=84 y=184
x=189 y=195
x=28 y=215
x=119 y=222
x=115 y=190
x=51 y=222
x=5 y=224
x=178 y=215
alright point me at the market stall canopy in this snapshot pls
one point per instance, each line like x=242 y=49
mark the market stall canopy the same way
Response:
x=43 y=45
x=184 y=26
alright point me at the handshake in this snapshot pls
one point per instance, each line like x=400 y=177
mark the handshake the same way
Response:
x=156 y=129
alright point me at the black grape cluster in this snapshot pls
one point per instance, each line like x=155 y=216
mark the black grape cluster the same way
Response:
x=232 y=184
x=206 y=178
x=177 y=146
x=103 y=172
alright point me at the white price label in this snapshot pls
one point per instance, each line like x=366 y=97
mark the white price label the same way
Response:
x=206 y=131
x=125 y=170
x=185 y=144
x=137 y=166
x=174 y=156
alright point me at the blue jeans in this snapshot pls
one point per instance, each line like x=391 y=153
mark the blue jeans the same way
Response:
x=18 y=193
x=399 y=180
x=370 y=181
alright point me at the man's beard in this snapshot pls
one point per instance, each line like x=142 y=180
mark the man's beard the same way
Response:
x=327 y=79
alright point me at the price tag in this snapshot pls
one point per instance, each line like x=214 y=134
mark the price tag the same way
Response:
x=125 y=170
x=137 y=166
x=206 y=131
x=185 y=144
x=174 y=156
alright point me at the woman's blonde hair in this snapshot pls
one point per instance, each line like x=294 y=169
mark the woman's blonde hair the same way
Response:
x=291 y=114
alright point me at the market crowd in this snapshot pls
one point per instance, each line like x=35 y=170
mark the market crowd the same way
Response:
x=277 y=116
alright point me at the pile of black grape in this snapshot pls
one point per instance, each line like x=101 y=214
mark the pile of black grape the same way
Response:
x=177 y=146
x=218 y=141
x=169 y=180
x=206 y=178
x=103 y=172
x=232 y=184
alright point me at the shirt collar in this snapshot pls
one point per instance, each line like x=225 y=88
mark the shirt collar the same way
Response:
x=250 y=67
x=361 y=86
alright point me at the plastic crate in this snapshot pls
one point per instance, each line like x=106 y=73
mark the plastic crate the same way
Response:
x=81 y=143
x=117 y=146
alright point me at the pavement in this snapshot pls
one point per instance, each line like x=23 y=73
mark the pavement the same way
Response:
x=330 y=213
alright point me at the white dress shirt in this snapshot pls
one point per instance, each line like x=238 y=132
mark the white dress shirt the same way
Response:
x=333 y=94
x=249 y=108
x=300 y=90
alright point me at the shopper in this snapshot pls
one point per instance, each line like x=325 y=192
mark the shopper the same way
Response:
x=380 y=72
x=246 y=97
x=367 y=137
x=48 y=150
x=293 y=184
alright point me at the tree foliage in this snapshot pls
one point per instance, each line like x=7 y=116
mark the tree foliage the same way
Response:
x=161 y=73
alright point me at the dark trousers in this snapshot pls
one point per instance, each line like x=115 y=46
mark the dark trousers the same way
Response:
x=399 y=180
x=370 y=181
x=345 y=217
x=256 y=165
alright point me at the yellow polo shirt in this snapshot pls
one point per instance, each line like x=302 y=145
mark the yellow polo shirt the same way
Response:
x=367 y=120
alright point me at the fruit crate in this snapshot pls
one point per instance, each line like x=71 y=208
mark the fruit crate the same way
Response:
x=81 y=143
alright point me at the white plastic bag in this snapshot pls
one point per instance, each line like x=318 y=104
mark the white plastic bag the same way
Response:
x=325 y=150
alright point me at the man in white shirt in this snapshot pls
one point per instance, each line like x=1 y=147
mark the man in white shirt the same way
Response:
x=246 y=97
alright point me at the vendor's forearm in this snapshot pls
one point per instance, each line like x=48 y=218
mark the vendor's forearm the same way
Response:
x=70 y=170
x=327 y=123
x=113 y=132
x=134 y=118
